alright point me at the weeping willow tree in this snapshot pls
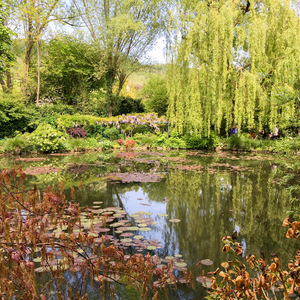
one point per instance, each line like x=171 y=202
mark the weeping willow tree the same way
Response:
x=237 y=63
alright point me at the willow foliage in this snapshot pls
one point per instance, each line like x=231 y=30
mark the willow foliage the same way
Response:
x=237 y=63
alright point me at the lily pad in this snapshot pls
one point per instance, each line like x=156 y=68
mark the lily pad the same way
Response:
x=37 y=259
x=145 y=229
x=205 y=281
x=163 y=215
x=138 y=237
x=128 y=240
x=132 y=228
x=151 y=247
x=206 y=262
x=174 y=220
x=180 y=264
x=127 y=234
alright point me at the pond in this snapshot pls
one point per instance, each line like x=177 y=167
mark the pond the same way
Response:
x=192 y=198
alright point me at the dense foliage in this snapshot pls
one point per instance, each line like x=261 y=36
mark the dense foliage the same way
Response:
x=236 y=64
x=14 y=116
x=156 y=94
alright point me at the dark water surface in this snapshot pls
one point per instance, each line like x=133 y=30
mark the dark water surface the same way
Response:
x=212 y=194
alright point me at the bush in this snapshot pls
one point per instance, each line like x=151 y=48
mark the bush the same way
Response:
x=111 y=133
x=207 y=142
x=77 y=132
x=47 y=139
x=241 y=142
x=175 y=143
x=128 y=105
x=120 y=142
x=160 y=140
x=106 y=145
x=85 y=121
x=14 y=116
x=49 y=113
x=82 y=144
x=18 y=144
x=155 y=93
x=129 y=143
x=285 y=145
x=147 y=139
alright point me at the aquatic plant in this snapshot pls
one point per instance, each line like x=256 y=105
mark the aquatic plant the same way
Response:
x=233 y=280
x=46 y=233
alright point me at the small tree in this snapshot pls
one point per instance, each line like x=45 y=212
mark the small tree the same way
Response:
x=156 y=95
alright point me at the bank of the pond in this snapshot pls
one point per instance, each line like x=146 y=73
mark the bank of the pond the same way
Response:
x=53 y=141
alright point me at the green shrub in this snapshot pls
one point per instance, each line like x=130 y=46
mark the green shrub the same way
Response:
x=146 y=139
x=286 y=145
x=207 y=142
x=82 y=144
x=85 y=121
x=47 y=139
x=244 y=142
x=142 y=129
x=128 y=105
x=14 y=116
x=238 y=142
x=175 y=143
x=106 y=145
x=18 y=144
x=111 y=133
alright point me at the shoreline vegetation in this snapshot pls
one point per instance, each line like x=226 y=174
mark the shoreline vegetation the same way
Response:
x=83 y=133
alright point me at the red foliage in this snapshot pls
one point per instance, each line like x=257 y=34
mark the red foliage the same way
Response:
x=129 y=143
x=77 y=132
x=120 y=142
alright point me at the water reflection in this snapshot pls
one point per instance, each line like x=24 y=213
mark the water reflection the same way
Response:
x=222 y=196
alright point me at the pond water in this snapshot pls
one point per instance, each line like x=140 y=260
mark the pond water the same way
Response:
x=205 y=195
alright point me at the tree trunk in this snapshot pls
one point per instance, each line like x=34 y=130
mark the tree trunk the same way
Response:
x=9 y=83
x=38 y=58
x=2 y=82
x=29 y=45
x=109 y=86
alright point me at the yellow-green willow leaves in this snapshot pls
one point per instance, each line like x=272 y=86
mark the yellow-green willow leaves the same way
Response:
x=237 y=63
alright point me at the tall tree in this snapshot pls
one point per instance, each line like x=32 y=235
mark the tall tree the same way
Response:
x=6 y=56
x=36 y=16
x=237 y=63
x=122 y=31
